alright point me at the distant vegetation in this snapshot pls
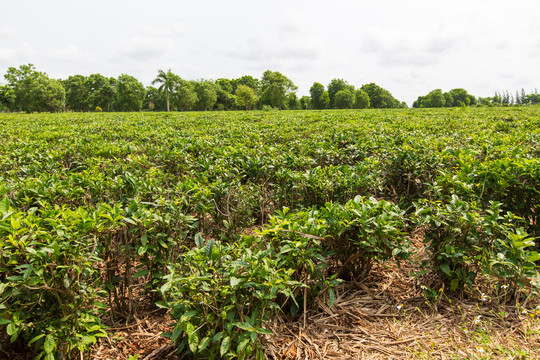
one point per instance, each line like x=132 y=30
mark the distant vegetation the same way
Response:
x=29 y=90
x=460 y=97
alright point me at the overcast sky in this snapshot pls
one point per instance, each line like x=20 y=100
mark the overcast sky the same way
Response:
x=407 y=47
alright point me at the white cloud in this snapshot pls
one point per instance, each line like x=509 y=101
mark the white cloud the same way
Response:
x=7 y=57
x=407 y=51
x=17 y=56
x=7 y=32
x=68 y=53
x=288 y=46
x=174 y=29
x=145 y=48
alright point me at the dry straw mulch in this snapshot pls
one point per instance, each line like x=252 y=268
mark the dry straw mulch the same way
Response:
x=389 y=317
x=385 y=317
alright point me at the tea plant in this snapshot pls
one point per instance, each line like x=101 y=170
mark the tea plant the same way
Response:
x=221 y=295
x=49 y=284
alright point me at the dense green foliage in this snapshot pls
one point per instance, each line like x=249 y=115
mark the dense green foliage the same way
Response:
x=28 y=90
x=452 y=98
x=93 y=204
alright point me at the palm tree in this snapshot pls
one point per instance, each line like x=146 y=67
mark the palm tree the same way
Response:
x=166 y=79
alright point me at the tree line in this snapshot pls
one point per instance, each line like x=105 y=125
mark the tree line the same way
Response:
x=30 y=90
x=460 y=97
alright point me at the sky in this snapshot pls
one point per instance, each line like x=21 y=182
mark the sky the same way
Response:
x=407 y=47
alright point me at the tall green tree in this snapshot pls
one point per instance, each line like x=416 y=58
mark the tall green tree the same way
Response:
x=246 y=97
x=335 y=86
x=166 y=84
x=275 y=88
x=130 y=93
x=206 y=94
x=462 y=97
x=32 y=90
x=7 y=98
x=361 y=99
x=152 y=100
x=101 y=92
x=19 y=81
x=344 y=99
x=380 y=98
x=225 y=97
x=184 y=96
x=434 y=99
x=48 y=95
x=319 y=96
x=305 y=102
x=77 y=97
x=246 y=80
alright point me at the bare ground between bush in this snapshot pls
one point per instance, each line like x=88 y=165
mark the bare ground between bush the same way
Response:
x=387 y=316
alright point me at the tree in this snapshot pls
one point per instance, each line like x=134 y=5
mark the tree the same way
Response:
x=305 y=102
x=184 y=95
x=225 y=98
x=32 y=90
x=152 y=100
x=448 y=100
x=206 y=94
x=246 y=97
x=19 y=81
x=380 y=98
x=435 y=98
x=462 y=97
x=166 y=81
x=246 y=80
x=293 y=103
x=361 y=99
x=335 y=86
x=77 y=98
x=130 y=93
x=344 y=99
x=47 y=95
x=7 y=98
x=319 y=97
x=101 y=91
x=275 y=88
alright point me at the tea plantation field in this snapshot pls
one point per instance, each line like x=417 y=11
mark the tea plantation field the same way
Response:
x=225 y=219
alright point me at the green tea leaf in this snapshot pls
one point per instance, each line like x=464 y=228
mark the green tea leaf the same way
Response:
x=176 y=333
x=263 y=331
x=4 y=206
x=199 y=240
x=244 y=326
x=234 y=281
x=203 y=344
x=225 y=345
x=88 y=340
x=446 y=269
x=11 y=329
x=208 y=247
x=141 y=273
x=332 y=296
x=142 y=249
x=50 y=344
x=242 y=345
